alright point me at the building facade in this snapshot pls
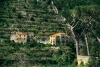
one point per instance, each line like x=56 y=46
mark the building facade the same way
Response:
x=20 y=37
x=59 y=39
x=83 y=59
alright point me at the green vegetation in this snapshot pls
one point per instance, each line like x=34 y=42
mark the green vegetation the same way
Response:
x=21 y=15
x=41 y=19
x=33 y=53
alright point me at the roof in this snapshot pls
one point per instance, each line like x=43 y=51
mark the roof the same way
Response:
x=21 y=33
x=58 y=34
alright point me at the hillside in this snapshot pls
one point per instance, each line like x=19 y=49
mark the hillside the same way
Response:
x=79 y=19
x=34 y=54
x=30 y=16
x=39 y=18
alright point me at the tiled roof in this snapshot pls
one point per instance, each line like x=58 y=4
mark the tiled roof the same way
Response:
x=21 y=33
x=58 y=34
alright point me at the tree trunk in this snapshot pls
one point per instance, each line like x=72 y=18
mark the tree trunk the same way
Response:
x=75 y=40
x=98 y=39
x=87 y=44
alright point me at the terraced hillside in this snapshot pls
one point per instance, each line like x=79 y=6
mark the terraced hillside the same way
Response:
x=40 y=18
x=35 y=54
x=30 y=16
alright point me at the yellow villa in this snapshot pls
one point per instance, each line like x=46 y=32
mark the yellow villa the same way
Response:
x=59 y=39
x=20 y=37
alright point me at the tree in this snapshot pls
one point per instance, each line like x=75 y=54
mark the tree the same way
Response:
x=94 y=62
x=83 y=22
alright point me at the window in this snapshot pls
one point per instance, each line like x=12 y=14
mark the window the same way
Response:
x=58 y=41
x=57 y=38
x=16 y=38
x=20 y=35
x=63 y=37
x=63 y=41
x=66 y=41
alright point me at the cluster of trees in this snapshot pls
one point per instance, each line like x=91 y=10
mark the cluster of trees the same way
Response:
x=83 y=17
x=64 y=6
x=36 y=53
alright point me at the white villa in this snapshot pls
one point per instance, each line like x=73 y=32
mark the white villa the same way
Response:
x=20 y=37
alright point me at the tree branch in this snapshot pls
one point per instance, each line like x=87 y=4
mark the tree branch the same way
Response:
x=75 y=40
x=95 y=36
x=76 y=24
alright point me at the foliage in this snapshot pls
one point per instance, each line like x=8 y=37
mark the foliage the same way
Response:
x=43 y=23
x=94 y=62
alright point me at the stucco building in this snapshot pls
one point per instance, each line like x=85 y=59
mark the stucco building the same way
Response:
x=83 y=59
x=59 y=39
x=20 y=37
